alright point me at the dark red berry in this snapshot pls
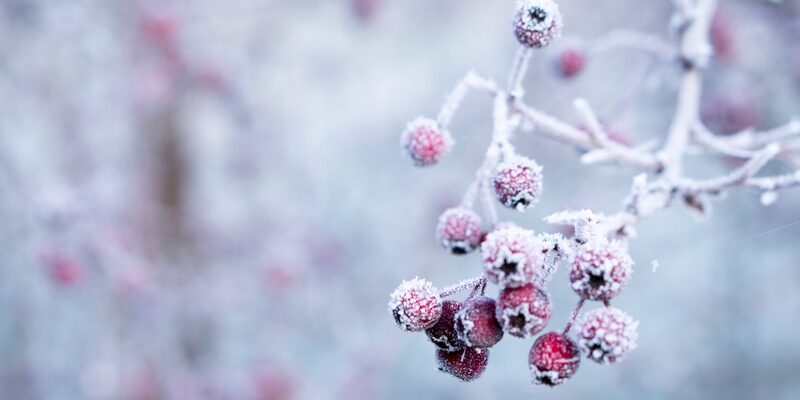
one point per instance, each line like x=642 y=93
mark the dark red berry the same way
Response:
x=415 y=305
x=554 y=358
x=476 y=324
x=570 y=63
x=466 y=364
x=518 y=183
x=523 y=311
x=444 y=334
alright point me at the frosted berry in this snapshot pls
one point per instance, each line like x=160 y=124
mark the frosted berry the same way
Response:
x=459 y=230
x=444 y=334
x=570 y=63
x=415 y=305
x=607 y=334
x=600 y=269
x=425 y=141
x=518 y=183
x=511 y=256
x=553 y=359
x=466 y=364
x=523 y=311
x=476 y=324
x=537 y=22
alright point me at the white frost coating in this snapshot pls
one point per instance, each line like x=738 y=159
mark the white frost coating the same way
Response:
x=549 y=10
x=600 y=269
x=511 y=256
x=768 y=198
x=415 y=304
x=607 y=335
x=584 y=221
x=555 y=248
x=532 y=321
x=655 y=265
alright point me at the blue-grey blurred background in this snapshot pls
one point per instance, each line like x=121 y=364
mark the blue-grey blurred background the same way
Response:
x=207 y=199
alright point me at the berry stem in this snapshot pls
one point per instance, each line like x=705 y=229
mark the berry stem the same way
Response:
x=472 y=283
x=574 y=315
x=518 y=70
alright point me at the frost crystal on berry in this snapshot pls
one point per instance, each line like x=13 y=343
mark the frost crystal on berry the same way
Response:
x=466 y=364
x=537 y=22
x=523 y=311
x=476 y=323
x=415 y=305
x=459 y=230
x=600 y=270
x=511 y=256
x=553 y=359
x=425 y=141
x=607 y=334
x=518 y=183
x=444 y=334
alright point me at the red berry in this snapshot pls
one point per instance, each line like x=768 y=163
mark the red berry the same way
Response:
x=466 y=364
x=459 y=230
x=600 y=270
x=425 y=141
x=607 y=334
x=444 y=334
x=415 y=305
x=554 y=358
x=721 y=35
x=523 y=311
x=476 y=324
x=537 y=22
x=511 y=256
x=518 y=183
x=570 y=63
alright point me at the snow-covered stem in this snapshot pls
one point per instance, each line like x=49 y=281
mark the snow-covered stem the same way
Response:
x=574 y=316
x=750 y=138
x=518 y=70
x=738 y=176
x=471 y=283
x=454 y=100
x=709 y=140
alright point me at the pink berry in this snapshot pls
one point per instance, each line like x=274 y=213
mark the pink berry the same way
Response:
x=570 y=63
x=537 y=22
x=511 y=256
x=459 y=230
x=415 y=305
x=523 y=311
x=444 y=334
x=553 y=359
x=425 y=141
x=476 y=324
x=466 y=364
x=600 y=270
x=518 y=183
x=607 y=334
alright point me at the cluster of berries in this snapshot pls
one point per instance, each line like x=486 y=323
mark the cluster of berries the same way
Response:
x=515 y=259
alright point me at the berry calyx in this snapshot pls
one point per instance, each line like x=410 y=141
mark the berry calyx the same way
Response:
x=518 y=183
x=523 y=311
x=607 y=335
x=459 y=230
x=415 y=305
x=553 y=359
x=600 y=270
x=443 y=334
x=511 y=256
x=537 y=22
x=476 y=324
x=425 y=141
x=466 y=364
